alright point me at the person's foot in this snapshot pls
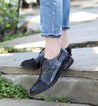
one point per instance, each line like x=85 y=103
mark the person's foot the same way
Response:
x=34 y=63
x=51 y=70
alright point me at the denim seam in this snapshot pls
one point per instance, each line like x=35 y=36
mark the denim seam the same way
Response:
x=65 y=28
x=50 y=35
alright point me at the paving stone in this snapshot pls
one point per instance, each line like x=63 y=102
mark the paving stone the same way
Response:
x=23 y=42
x=32 y=18
x=33 y=23
x=83 y=32
x=21 y=24
x=33 y=27
x=82 y=16
x=84 y=3
x=85 y=63
x=30 y=11
x=26 y=102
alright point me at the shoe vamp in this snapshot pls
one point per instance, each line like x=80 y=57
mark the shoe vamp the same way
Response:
x=50 y=72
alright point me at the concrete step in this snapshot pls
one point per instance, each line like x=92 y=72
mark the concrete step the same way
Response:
x=84 y=4
x=26 y=102
x=85 y=64
x=79 y=82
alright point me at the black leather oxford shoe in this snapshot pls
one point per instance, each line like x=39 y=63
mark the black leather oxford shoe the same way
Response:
x=50 y=72
x=34 y=63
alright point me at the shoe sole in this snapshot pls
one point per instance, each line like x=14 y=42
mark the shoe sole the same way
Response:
x=65 y=67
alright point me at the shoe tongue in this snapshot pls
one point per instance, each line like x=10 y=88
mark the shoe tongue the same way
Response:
x=50 y=62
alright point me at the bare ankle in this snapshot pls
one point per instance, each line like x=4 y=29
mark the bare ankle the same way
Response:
x=64 y=39
x=52 y=48
x=50 y=54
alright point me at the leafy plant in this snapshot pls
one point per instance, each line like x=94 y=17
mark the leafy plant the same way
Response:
x=11 y=90
x=8 y=18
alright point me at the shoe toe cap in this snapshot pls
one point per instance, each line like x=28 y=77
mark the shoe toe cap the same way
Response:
x=38 y=87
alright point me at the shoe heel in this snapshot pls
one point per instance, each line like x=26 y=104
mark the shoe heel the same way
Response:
x=68 y=63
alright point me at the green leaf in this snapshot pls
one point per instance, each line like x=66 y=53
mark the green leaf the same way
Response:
x=7 y=25
x=11 y=90
x=1 y=20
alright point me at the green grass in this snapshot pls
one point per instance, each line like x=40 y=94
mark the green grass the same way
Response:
x=55 y=99
x=12 y=90
x=11 y=50
x=6 y=38
x=4 y=50
x=88 y=7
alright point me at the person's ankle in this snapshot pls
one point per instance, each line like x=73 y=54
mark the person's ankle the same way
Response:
x=64 y=46
x=52 y=47
x=51 y=53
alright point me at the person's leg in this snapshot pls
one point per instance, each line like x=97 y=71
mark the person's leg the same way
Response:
x=55 y=58
x=64 y=39
x=51 y=26
x=51 y=52
x=65 y=23
x=52 y=49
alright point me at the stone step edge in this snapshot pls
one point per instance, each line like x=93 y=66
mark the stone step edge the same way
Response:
x=84 y=44
x=72 y=45
x=68 y=73
x=29 y=101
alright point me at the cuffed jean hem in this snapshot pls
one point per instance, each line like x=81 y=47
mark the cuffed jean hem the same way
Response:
x=50 y=35
x=65 y=28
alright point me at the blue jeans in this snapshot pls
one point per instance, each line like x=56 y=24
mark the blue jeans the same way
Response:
x=54 y=16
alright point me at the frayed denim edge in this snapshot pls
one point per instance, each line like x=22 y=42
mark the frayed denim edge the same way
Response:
x=50 y=35
x=65 y=28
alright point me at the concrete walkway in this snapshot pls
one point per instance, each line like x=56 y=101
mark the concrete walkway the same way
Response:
x=79 y=82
